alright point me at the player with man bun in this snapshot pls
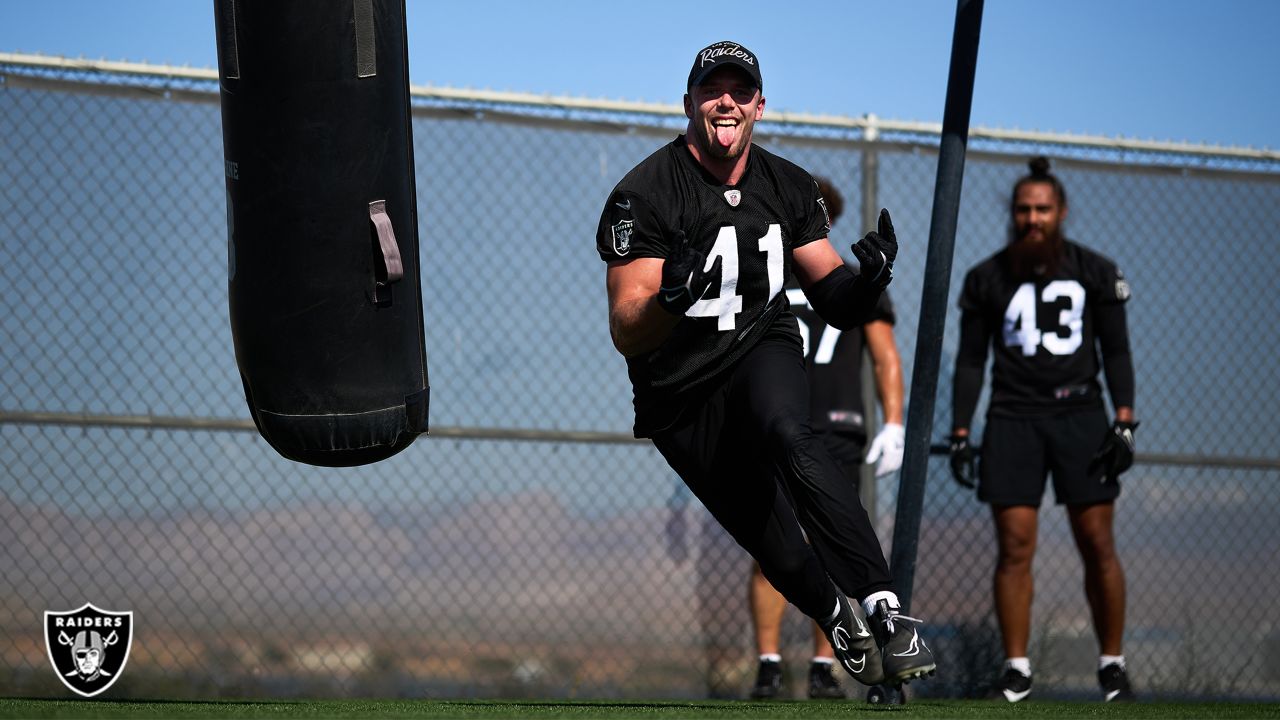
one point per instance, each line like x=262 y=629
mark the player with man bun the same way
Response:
x=1053 y=314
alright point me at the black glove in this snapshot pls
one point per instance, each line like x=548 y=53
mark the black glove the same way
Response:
x=1116 y=454
x=684 y=281
x=962 y=465
x=876 y=252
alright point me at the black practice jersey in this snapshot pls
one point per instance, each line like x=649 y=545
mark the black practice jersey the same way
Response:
x=833 y=359
x=752 y=227
x=1043 y=333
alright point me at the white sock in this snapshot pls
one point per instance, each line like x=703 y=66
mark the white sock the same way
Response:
x=1105 y=660
x=770 y=657
x=1021 y=664
x=822 y=660
x=869 y=604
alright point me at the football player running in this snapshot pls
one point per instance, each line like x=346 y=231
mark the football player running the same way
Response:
x=699 y=239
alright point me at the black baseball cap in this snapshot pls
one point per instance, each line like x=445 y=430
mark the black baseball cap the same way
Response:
x=723 y=53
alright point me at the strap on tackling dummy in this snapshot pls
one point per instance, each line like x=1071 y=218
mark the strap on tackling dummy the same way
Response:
x=366 y=49
x=389 y=268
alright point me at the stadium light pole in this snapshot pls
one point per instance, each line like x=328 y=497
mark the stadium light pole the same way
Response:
x=933 y=303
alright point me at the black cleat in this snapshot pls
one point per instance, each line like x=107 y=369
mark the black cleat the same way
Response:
x=905 y=656
x=854 y=644
x=823 y=685
x=1115 y=684
x=768 y=681
x=887 y=695
x=1012 y=686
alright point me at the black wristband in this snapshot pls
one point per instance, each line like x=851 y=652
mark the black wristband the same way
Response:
x=844 y=299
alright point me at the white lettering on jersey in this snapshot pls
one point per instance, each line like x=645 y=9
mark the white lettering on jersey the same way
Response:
x=771 y=246
x=1021 y=328
x=728 y=303
x=827 y=343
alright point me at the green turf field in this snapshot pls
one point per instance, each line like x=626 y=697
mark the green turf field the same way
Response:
x=621 y=709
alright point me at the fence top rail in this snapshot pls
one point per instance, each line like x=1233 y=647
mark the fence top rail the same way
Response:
x=223 y=424
x=869 y=125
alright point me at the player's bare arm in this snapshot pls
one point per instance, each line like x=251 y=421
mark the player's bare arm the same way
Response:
x=887 y=367
x=814 y=261
x=637 y=323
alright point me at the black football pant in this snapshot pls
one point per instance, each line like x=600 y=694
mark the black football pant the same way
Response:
x=731 y=451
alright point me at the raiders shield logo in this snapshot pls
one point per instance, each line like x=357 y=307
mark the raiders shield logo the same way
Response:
x=733 y=197
x=622 y=236
x=88 y=647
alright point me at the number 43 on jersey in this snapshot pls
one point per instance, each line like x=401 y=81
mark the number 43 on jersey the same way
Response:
x=1021 y=326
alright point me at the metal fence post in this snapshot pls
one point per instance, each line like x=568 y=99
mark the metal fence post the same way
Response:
x=933 y=303
x=870 y=210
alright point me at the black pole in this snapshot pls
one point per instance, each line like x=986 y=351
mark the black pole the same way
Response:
x=933 y=303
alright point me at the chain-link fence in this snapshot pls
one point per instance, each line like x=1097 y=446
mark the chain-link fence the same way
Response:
x=527 y=547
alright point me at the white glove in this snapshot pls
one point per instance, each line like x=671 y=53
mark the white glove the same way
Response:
x=887 y=448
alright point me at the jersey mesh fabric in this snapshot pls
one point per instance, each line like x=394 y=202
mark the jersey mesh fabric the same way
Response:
x=1054 y=368
x=753 y=226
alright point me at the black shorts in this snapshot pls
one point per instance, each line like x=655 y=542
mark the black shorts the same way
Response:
x=1018 y=454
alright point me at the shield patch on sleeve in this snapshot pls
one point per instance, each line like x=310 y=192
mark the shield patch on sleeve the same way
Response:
x=622 y=236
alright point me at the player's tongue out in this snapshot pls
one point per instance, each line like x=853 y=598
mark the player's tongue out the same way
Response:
x=726 y=132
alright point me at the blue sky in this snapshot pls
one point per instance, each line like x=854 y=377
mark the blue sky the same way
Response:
x=1163 y=69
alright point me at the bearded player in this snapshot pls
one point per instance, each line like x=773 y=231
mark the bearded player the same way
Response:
x=1053 y=314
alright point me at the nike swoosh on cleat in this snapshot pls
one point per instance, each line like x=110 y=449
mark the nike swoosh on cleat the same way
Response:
x=913 y=648
x=1013 y=696
x=1111 y=695
x=838 y=635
